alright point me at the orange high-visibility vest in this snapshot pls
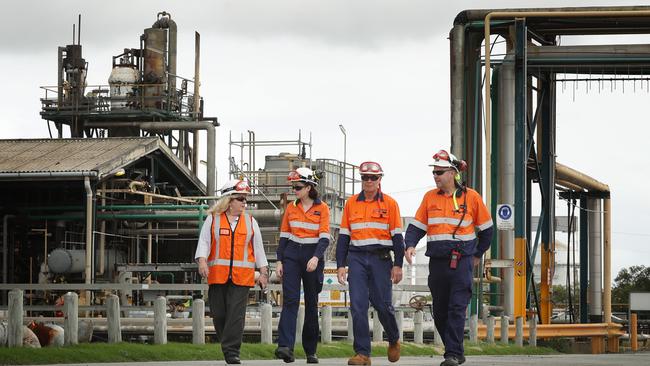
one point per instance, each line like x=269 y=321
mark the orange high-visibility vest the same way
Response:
x=232 y=253
x=306 y=227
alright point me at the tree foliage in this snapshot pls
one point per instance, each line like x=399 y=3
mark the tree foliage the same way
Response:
x=634 y=278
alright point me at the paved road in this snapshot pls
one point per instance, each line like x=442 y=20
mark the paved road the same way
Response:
x=638 y=359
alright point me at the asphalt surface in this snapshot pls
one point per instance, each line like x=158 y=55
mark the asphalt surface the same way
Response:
x=638 y=359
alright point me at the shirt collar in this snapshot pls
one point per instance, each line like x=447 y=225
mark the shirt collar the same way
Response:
x=317 y=201
x=362 y=196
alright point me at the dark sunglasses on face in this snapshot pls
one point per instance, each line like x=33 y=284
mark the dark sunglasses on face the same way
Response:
x=240 y=199
x=440 y=172
x=373 y=178
x=297 y=188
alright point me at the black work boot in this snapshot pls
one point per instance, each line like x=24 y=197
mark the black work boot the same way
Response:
x=285 y=354
x=450 y=361
x=232 y=360
x=461 y=360
x=312 y=359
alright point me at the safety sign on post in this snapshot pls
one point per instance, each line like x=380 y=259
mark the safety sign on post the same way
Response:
x=505 y=217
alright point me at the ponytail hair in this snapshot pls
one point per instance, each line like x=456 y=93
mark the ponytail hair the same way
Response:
x=313 y=192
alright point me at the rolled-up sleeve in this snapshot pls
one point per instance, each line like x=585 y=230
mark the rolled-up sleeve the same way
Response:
x=258 y=246
x=203 y=245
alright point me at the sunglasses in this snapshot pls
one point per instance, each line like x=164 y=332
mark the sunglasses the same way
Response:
x=240 y=199
x=440 y=172
x=297 y=188
x=373 y=178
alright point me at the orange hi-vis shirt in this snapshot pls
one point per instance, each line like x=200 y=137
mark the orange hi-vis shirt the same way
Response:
x=448 y=228
x=370 y=226
x=231 y=253
x=305 y=227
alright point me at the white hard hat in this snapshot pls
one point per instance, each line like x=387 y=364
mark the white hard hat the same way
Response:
x=235 y=186
x=303 y=174
x=446 y=160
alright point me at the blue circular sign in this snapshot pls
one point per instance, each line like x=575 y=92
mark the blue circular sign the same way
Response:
x=505 y=212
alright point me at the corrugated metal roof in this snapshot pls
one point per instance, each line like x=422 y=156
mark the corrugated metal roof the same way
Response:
x=74 y=155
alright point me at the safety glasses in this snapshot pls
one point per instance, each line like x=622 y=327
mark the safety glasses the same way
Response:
x=367 y=177
x=370 y=167
x=240 y=198
x=297 y=188
x=440 y=172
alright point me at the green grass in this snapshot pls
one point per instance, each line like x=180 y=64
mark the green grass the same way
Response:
x=134 y=352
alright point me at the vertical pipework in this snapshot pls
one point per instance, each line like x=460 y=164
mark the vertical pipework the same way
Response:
x=59 y=90
x=595 y=261
x=89 y=235
x=212 y=169
x=506 y=169
x=5 y=246
x=197 y=103
x=607 y=261
x=520 y=168
x=584 y=260
x=102 y=237
x=457 y=79
x=165 y=22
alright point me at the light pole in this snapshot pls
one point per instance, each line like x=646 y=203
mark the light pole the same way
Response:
x=345 y=151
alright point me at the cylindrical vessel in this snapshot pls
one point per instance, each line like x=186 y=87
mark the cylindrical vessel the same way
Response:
x=122 y=85
x=155 y=46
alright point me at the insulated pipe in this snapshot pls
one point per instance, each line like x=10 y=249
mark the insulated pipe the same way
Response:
x=595 y=261
x=166 y=22
x=457 y=79
x=571 y=186
x=89 y=232
x=506 y=171
x=607 y=261
x=265 y=214
x=209 y=126
x=564 y=173
x=5 y=245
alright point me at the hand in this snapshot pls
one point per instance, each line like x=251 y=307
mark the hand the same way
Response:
x=342 y=275
x=203 y=267
x=409 y=254
x=279 y=271
x=311 y=265
x=396 y=274
x=476 y=261
x=263 y=280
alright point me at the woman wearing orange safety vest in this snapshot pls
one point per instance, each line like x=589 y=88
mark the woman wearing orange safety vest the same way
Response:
x=304 y=237
x=229 y=249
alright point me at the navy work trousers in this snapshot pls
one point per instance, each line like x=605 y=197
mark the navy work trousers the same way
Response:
x=369 y=279
x=451 y=290
x=294 y=264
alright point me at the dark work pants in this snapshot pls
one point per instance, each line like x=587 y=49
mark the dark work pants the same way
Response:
x=294 y=265
x=451 y=291
x=228 y=308
x=369 y=279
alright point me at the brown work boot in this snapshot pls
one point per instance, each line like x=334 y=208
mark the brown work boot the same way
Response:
x=359 y=359
x=394 y=351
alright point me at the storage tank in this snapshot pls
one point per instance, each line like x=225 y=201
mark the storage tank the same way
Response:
x=122 y=85
x=62 y=260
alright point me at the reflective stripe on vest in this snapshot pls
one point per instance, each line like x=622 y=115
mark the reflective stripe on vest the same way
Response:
x=438 y=237
x=365 y=242
x=449 y=221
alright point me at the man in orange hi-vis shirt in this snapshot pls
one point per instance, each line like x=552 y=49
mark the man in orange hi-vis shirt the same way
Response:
x=459 y=229
x=371 y=227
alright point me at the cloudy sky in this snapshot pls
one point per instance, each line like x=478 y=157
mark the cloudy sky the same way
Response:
x=380 y=68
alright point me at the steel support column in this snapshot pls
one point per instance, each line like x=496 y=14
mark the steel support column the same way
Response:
x=547 y=184
x=520 y=167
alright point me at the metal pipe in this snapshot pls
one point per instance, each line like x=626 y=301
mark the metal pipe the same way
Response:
x=89 y=233
x=102 y=237
x=564 y=173
x=457 y=80
x=5 y=246
x=197 y=102
x=607 y=261
x=506 y=170
x=571 y=186
x=595 y=260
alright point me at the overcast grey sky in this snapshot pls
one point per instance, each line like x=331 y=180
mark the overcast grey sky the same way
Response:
x=379 y=67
